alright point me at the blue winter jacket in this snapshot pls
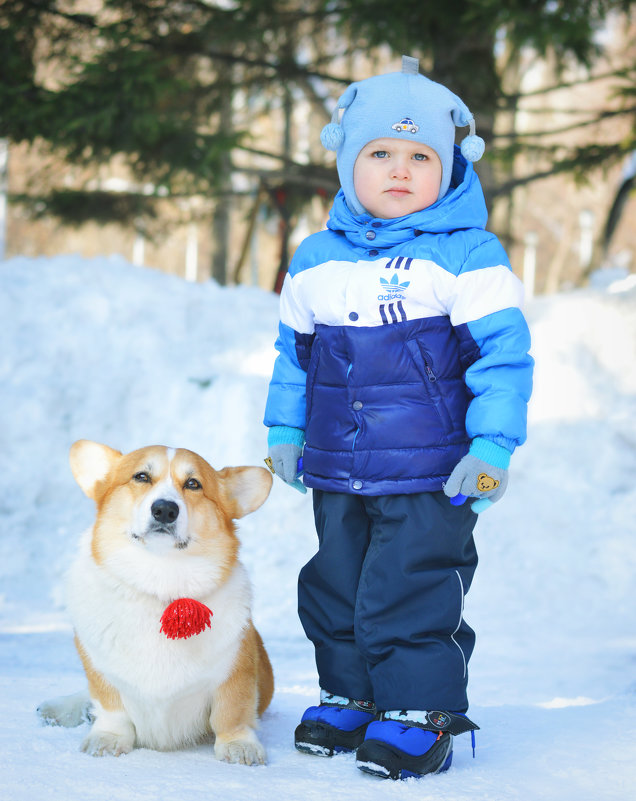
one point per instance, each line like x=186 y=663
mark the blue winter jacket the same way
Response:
x=401 y=341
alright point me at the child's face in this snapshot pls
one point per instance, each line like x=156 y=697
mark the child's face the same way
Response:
x=394 y=177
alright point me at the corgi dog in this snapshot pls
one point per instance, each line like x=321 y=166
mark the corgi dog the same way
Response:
x=165 y=677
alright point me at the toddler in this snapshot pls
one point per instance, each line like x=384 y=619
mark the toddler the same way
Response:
x=400 y=389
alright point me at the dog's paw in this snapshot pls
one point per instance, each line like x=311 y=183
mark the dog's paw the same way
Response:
x=101 y=743
x=66 y=710
x=244 y=750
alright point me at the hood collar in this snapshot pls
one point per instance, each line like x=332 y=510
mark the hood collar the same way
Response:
x=463 y=206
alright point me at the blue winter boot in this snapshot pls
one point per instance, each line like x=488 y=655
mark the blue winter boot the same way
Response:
x=337 y=725
x=406 y=743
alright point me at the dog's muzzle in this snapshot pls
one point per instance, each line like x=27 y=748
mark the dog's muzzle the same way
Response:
x=164 y=515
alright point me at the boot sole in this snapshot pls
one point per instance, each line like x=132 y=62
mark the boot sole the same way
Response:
x=387 y=762
x=321 y=739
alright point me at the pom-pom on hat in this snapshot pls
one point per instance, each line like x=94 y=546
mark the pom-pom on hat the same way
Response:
x=404 y=105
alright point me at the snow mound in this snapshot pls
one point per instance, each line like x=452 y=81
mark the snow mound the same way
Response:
x=102 y=350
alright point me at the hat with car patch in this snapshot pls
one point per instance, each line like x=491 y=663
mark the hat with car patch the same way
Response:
x=401 y=105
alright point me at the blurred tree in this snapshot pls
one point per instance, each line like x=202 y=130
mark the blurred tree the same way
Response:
x=156 y=82
x=474 y=47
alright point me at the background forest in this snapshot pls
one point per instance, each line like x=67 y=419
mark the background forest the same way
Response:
x=184 y=135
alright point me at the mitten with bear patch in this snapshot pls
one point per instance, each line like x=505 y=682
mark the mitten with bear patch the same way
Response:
x=481 y=474
x=284 y=452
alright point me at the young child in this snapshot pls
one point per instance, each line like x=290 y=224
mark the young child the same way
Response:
x=402 y=379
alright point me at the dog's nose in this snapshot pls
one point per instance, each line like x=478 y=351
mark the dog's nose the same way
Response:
x=164 y=511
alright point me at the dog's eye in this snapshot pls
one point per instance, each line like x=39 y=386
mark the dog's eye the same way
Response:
x=192 y=484
x=142 y=478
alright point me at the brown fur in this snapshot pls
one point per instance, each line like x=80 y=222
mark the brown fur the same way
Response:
x=98 y=688
x=247 y=691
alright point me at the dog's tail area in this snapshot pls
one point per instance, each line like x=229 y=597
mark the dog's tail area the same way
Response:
x=66 y=710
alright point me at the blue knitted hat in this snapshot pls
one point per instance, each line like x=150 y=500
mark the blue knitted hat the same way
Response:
x=401 y=105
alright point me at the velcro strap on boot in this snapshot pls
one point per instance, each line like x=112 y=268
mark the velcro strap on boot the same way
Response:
x=432 y=721
x=326 y=699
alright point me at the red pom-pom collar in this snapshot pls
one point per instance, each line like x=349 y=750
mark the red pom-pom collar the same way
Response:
x=184 y=618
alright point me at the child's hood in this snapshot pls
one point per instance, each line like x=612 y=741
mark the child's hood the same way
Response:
x=463 y=206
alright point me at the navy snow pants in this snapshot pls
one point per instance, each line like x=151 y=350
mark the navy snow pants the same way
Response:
x=382 y=599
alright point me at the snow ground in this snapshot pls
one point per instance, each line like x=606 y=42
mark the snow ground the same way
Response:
x=102 y=350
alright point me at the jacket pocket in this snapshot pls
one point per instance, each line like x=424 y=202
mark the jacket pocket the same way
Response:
x=423 y=361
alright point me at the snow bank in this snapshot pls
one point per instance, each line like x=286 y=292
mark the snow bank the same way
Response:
x=127 y=356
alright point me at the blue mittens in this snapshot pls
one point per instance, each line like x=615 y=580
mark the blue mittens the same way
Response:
x=481 y=474
x=285 y=448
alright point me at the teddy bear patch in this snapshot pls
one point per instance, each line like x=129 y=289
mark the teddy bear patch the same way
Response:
x=485 y=483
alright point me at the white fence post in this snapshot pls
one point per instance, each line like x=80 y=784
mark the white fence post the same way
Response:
x=530 y=263
x=586 y=237
x=192 y=253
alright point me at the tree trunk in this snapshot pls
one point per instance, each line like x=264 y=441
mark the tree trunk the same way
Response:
x=467 y=67
x=222 y=211
x=4 y=184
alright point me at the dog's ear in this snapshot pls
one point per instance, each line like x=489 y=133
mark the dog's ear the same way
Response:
x=91 y=463
x=246 y=488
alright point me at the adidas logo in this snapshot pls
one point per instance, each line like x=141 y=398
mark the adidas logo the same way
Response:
x=393 y=289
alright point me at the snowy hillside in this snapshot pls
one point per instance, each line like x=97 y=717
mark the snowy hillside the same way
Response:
x=127 y=356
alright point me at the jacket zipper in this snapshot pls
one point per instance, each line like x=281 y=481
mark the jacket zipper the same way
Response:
x=429 y=370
